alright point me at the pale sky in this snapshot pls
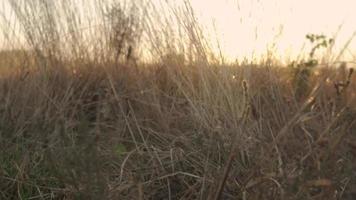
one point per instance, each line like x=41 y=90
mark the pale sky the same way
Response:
x=246 y=27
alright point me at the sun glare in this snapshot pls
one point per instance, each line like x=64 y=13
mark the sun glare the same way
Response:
x=253 y=28
x=247 y=28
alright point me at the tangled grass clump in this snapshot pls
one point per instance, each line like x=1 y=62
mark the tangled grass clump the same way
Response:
x=78 y=121
x=113 y=135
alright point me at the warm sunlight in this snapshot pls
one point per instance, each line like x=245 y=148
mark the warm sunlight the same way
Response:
x=178 y=99
x=247 y=27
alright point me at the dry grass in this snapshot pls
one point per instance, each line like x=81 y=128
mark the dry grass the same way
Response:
x=80 y=127
x=168 y=132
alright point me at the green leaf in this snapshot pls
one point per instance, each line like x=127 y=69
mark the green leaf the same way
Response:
x=120 y=150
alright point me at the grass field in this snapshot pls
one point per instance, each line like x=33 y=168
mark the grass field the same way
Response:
x=84 y=120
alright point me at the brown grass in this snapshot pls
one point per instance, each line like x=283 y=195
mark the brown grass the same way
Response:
x=181 y=127
x=167 y=133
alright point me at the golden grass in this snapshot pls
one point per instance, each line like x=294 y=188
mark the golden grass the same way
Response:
x=88 y=122
x=159 y=132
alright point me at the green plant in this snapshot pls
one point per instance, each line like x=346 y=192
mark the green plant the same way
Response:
x=303 y=69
